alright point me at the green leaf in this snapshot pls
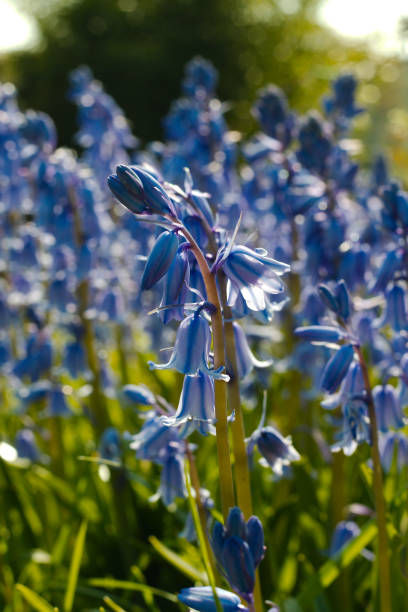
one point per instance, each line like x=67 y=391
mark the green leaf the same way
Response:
x=112 y=605
x=111 y=583
x=74 y=568
x=177 y=561
x=36 y=601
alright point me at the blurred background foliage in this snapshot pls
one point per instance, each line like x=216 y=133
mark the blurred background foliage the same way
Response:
x=138 y=49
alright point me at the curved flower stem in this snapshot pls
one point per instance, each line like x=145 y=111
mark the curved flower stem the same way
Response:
x=195 y=481
x=383 y=556
x=241 y=466
x=224 y=459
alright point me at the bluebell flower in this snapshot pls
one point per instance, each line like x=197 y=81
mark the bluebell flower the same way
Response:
x=325 y=335
x=172 y=479
x=272 y=112
x=202 y=599
x=238 y=548
x=342 y=104
x=391 y=263
x=139 y=394
x=26 y=446
x=160 y=259
x=315 y=144
x=191 y=349
x=344 y=532
x=140 y=191
x=196 y=406
x=355 y=426
x=109 y=445
x=336 y=368
x=175 y=287
x=75 y=360
x=200 y=78
x=246 y=360
x=395 y=313
x=57 y=404
x=152 y=440
x=277 y=451
x=393 y=444
x=251 y=273
x=387 y=407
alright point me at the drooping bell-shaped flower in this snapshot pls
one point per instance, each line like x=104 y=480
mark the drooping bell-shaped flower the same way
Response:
x=191 y=349
x=344 y=532
x=196 y=406
x=387 y=408
x=395 y=309
x=246 y=360
x=320 y=334
x=139 y=394
x=238 y=564
x=152 y=440
x=160 y=259
x=57 y=404
x=26 y=446
x=175 y=287
x=172 y=480
x=202 y=599
x=336 y=368
x=251 y=273
x=391 y=444
x=355 y=426
x=109 y=446
x=276 y=450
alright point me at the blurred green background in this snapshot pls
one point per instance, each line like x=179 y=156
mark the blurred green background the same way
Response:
x=138 y=49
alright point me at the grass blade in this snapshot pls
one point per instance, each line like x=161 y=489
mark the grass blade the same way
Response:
x=34 y=600
x=74 y=568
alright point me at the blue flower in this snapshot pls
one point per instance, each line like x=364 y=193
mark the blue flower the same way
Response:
x=160 y=259
x=239 y=548
x=139 y=394
x=252 y=274
x=191 y=349
x=196 y=406
x=336 y=368
x=391 y=444
x=202 y=599
x=387 y=408
x=246 y=360
x=172 y=480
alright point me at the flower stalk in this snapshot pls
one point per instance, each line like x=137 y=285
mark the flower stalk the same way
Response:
x=383 y=554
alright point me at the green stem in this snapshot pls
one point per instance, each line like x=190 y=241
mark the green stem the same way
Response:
x=223 y=452
x=202 y=540
x=195 y=481
x=383 y=556
x=241 y=466
x=124 y=372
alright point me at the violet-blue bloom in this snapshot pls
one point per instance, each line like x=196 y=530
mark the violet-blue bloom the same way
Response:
x=391 y=444
x=196 y=406
x=336 y=368
x=246 y=360
x=191 y=349
x=160 y=259
x=139 y=394
x=202 y=599
x=387 y=408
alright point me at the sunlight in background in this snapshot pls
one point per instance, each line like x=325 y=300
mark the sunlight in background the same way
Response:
x=16 y=30
x=374 y=19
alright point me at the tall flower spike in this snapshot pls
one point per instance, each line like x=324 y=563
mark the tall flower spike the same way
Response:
x=191 y=349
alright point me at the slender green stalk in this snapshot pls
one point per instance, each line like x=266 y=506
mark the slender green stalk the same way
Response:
x=223 y=452
x=383 y=555
x=195 y=481
x=124 y=372
x=202 y=540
